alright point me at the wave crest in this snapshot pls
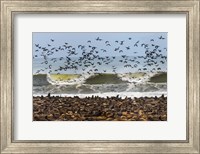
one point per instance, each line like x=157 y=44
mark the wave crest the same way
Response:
x=131 y=79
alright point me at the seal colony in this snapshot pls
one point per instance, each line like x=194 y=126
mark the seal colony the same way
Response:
x=95 y=108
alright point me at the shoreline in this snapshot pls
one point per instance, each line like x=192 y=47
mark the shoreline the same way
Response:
x=96 y=108
x=111 y=94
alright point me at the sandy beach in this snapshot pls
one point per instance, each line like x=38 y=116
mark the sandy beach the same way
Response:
x=96 y=108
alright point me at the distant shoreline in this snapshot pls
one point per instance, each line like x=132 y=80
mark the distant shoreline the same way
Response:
x=110 y=94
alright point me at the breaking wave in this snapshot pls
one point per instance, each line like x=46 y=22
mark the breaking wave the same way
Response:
x=99 y=83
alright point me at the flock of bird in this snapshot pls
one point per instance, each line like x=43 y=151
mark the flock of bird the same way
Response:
x=91 y=59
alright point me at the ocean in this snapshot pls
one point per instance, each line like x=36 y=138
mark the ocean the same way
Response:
x=100 y=85
x=99 y=80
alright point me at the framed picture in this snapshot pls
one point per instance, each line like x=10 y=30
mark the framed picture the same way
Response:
x=99 y=76
x=97 y=85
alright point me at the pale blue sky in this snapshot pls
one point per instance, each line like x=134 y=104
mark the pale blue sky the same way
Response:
x=75 y=39
x=122 y=48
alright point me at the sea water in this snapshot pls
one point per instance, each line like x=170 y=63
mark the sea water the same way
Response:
x=133 y=87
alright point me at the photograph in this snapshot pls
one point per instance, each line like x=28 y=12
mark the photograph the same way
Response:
x=99 y=76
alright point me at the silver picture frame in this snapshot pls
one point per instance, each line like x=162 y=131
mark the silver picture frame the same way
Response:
x=11 y=7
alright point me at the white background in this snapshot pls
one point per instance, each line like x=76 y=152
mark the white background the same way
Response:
x=173 y=129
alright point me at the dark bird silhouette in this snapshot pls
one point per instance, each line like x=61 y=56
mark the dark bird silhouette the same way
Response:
x=103 y=50
x=122 y=42
x=161 y=37
x=136 y=44
x=98 y=39
x=37 y=45
x=116 y=49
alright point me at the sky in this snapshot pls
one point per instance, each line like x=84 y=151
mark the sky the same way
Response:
x=111 y=44
x=80 y=38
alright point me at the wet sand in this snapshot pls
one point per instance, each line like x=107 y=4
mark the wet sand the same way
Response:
x=55 y=108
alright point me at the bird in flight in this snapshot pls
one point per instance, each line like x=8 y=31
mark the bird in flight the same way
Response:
x=161 y=37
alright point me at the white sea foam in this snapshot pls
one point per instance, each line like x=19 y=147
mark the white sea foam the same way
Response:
x=137 y=80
